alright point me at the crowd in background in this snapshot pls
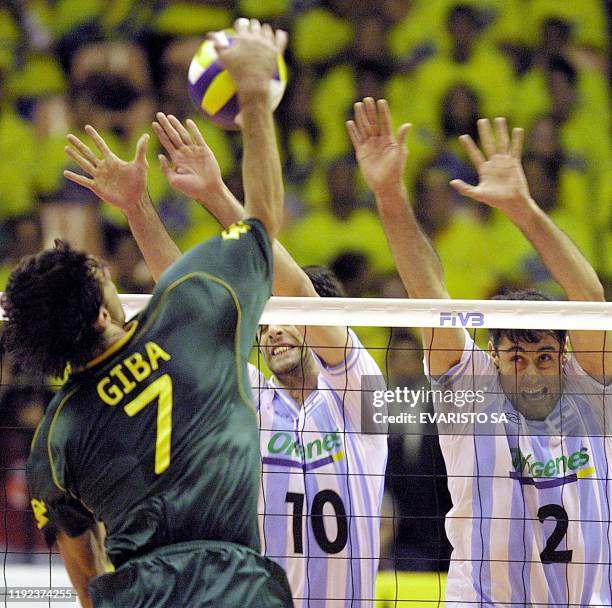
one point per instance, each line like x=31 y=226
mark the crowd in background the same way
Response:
x=544 y=64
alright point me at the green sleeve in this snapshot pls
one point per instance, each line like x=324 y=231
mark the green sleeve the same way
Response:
x=54 y=508
x=241 y=257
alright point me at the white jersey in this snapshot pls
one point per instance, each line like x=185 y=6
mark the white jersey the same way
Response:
x=530 y=522
x=322 y=485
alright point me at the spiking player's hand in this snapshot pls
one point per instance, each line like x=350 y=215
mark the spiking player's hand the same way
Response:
x=381 y=155
x=118 y=182
x=193 y=168
x=252 y=58
x=502 y=181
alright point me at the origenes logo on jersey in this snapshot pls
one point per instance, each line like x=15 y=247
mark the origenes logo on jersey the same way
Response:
x=554 y=471
x=288 y=449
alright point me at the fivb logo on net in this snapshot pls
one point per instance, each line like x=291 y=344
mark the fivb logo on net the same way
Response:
x=461 y=319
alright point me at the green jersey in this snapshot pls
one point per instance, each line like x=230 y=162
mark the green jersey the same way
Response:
x=157 y=438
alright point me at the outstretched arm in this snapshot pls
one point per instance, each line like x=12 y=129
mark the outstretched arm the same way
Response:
x=123 y=184
x=502 y=184
x=252 y=62
x=382 y=159
x=193 y=170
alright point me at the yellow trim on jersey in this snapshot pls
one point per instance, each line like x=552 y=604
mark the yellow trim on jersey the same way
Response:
x=243 y=394
x=586 y=473
x=131 y=330
x=53 y=421
x=115 y=346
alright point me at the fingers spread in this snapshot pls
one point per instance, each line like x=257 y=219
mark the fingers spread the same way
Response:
x=219 y=40
x=471 y=149
x=462 y=187
x=100 y=143
x=361 y=119
x=198 y=138
x=83 y=149
x=517 y=142
x=242 y=25
x=384 y=117
x=354 y=133
x=141 y=149
x=501 y=130
x=486 y=137
x=402 y=133
x=180 y=129
x=169 y=129
x=372 y=115
x=79 y=179
x=165 y=165
x=281 y=37
x=80 y=160
x=163 y=138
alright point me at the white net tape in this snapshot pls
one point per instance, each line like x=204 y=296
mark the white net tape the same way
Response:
x=391 y=312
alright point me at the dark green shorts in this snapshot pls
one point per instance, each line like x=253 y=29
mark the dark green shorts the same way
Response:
x=194 y=575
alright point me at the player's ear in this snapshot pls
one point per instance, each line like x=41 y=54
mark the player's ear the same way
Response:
x=493 y=352
x=104 y=319
x=565 y=353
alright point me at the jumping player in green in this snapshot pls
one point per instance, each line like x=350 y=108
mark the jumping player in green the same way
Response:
x=140 y=438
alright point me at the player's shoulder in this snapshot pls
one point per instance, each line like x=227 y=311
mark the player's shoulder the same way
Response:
x=474 y=363
x=38 y=466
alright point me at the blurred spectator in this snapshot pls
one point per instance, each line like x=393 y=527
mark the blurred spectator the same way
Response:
x=467 y=236
x=21 y=409
x=128 y=268
x=19 y=236
x=416 y=474
x=353 y=270
x=348 y=225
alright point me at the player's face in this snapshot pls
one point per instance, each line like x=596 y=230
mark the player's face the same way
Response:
x=283 y=348
x=531 y=374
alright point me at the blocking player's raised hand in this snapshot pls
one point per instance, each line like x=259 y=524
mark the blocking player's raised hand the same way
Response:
x=118 y=182
x=251 y=59
x=192 y=168
x=381 y=154
x=501 y=179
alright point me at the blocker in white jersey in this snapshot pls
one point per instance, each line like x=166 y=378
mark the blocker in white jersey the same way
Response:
x=530 y=523
x=322 y=484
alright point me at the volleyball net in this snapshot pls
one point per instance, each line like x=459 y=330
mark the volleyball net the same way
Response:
x=378 y=472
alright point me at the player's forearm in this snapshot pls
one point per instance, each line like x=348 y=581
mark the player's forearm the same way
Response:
x=261 y=169
x=84 y=559
x=560 y=255
x=289 y=278
x=157 y=248
x=223 y=205
x=417 y=262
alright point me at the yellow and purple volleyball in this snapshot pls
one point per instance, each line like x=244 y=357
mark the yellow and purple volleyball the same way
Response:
x=213 y=90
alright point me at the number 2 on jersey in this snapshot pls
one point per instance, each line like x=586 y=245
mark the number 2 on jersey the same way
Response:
x=318 y=526
x=160 y=389
x=550 y=553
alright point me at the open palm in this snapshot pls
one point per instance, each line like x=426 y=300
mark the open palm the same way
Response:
x=118 y=182
x=193 y=168
x=502 y=181
x=381 y=156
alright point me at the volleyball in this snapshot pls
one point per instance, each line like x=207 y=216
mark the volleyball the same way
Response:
x=213 y=91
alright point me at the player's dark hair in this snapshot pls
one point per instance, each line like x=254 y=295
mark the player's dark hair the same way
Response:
x=325 y=282
x=531 y=336
x=51 y=304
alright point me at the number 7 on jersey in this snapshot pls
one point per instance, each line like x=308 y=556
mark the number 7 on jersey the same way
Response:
x=160 y=389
